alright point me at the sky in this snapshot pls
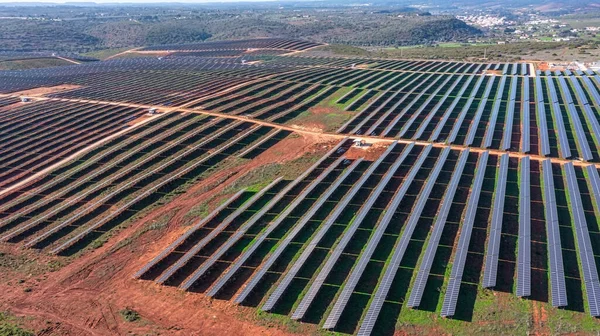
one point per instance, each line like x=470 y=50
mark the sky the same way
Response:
x=134 y=1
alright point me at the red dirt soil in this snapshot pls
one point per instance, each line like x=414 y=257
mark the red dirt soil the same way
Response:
x=85 y=296
x=41 y=91
x=371 y=152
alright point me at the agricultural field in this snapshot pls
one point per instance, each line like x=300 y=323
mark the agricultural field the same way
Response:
x=245 y=187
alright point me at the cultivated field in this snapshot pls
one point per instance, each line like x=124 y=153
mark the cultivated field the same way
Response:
x=221 y=179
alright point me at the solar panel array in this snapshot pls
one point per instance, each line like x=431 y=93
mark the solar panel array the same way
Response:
x=421 y=280
x=272 y=280
x=328 y=245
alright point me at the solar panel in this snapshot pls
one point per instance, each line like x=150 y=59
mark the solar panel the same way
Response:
x=558 y=120
x=524 y=249
x=423 y=106
x=376 y=110
x=557 y=272
x=262 y=141
x=226 y=222
x=584 y=244
x=449 y=110
x=254 y=281
x=590 y=88
x=188 y=233
x=525 y=118
x=510 y=113
x=436 y=108
x=186 y=257
x=310 y=246
x=365 y=257
x=493 y=245
x=239 y=233
x=18 y=230
x=541 y=114
x=489 y=135
x=589 y=113
x=460 y=256
x=479 y=112
x=99 y=224
x=584 y=147
x=349 y=233
x=390 y=272
x=406 y=108
x=463 y=112
x=419 y=284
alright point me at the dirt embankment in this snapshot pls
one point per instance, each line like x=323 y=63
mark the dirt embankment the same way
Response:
x=86 y=296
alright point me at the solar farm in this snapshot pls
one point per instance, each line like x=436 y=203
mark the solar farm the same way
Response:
x=433 y=191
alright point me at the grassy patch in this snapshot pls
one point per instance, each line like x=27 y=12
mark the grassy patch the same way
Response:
x=129 y=315
x=494 y=314
x=255 y=180
x=26 y=265
x=34 y=63
x=157 y=224
x=105 y=53
x=9 y=326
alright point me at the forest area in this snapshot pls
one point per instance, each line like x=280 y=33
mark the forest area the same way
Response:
x=84 y=29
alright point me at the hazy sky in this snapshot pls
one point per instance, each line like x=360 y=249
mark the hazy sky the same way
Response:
x=137 y=1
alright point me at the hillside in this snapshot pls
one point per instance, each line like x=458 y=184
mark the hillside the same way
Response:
x=64 y=31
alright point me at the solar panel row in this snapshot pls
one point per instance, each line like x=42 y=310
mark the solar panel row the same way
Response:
x=493 y=246
x=256 y=278
x=260 y=239
x=557 y=271
x=438 y=129
x=482 y=103
x=309 y=248
x=460 y=256
x=257 y=216
x=584 y=244
x=438 y=227
x=489 y=135
x=565 y=149
x=525 y=118
x=524 y=248
x=374 y=240
x=400 y=248
x=542 y=120
x=342 y=244
x=510 y=114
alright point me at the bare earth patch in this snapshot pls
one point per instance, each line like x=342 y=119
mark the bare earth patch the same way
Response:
x=41 y=91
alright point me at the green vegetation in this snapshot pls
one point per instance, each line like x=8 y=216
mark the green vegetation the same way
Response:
x=113 y=28
x=495 y=313
x=129 y=315
x=10 y=327
x=32 y=63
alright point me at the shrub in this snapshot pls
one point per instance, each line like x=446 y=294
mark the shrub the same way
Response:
x=129 y=315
